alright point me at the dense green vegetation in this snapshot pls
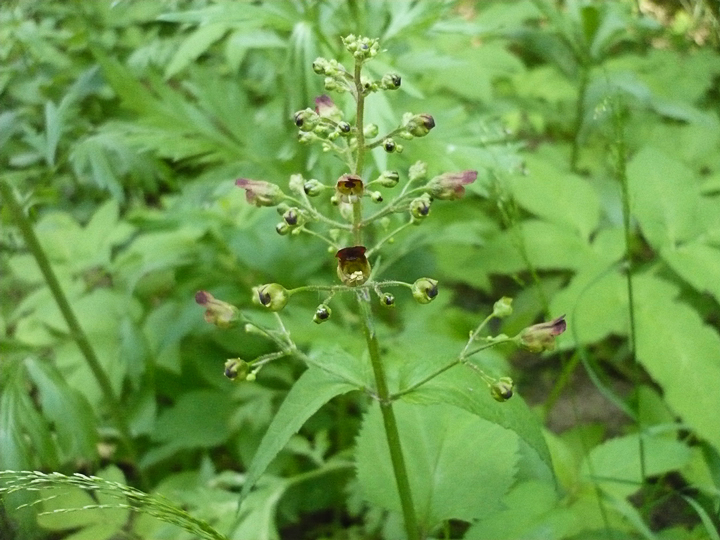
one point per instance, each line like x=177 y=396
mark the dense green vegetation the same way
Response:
x=594 y=129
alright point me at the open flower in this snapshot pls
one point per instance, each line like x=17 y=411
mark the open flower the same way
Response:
x=541 y=337
x=353 y=267
x=449 y=186
x=349 y=188
x=217 y=312
x=260 y=193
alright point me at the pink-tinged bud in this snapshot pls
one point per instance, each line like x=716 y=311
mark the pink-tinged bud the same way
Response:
x=326 y=108
x=260 y=193
x=449 y=186
x=217 y=312
x=349 y=188
x=541 y=337
x=353 y=267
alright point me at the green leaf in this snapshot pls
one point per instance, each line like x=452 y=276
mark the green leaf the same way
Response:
x=464 y=388
x=681 y=353
x=698 y=264
x=312 y=390
x=615 y=465
x=346 y=366
x=664 y=197
x=53 y=130
x=459 y=465
x=195 y=45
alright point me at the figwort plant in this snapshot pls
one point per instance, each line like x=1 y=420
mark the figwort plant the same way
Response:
x=360 y=204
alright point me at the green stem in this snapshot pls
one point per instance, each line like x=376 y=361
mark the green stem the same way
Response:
x=359 y=119
x=579 y=114
x=391 y=428
x=389 y=237
x=76 y=331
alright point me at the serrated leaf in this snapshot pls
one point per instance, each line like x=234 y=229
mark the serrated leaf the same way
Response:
x=312 y=390
x=195 y=45
x=681 y=354
x=459 y=466
x=346 y=366
x=464 y=388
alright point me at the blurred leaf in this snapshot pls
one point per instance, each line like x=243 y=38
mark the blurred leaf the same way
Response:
x=458 y=465
x=195 y=45
x=698 y=264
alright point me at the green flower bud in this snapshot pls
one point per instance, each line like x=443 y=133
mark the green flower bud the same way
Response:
x=420 y=208
x=503 y=307
x=376 y=196
x=320 y=65
x=236 y=369
x=387 y=300
x=296 y=183
x=322 y=314
x=541 y=337
x=272 y=296
x=425 y=290
x=417 y=171
x=217 y=312
x=306 y=137
x=389 y=179
x=282 y=228
x=331 y=84
x=502 y=389
x=390 y=81
x=371 y=130
x=399 y=148
x=293 y=217
x=313 y=188
x=326 y=108
x=389 y=145
x=307 y=119
x=420 y=124
x=344 y=128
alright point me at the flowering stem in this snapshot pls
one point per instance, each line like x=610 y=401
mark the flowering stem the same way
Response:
x=76 y=331
x=391 y=429
x=359 y=119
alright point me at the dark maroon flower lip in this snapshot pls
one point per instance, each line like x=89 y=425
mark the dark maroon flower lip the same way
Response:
x=350 y=254
x=350 y=184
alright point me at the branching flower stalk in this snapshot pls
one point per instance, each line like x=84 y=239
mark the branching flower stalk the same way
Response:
x=325 y=125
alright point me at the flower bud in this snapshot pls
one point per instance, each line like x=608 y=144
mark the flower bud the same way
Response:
x=420 y=124
x=349 y=188
x=353 y=267
x=236 y=369
x=541 y=337
x=322 y=314
x=389 y=179
x=420 y=208
x=399 y=148
x=313 y=188
x=387 y=300
x=296 y=183
x=217 y=312
x=390 y=81
x=376 y=196
x=326 y=108
x=331 y=84
x=417 y=171
x=344 y=128
x=272 y=296
x=260 y=193
x=389 y=145
x=320 y=65
x=371 y=130
x=282 y=228
x=502 y=389
x=292 y=217
x=307 y=119
x=425 y=290
x=449 y=186
x=503 y=307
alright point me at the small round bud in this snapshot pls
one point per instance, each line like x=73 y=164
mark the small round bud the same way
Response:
x=502 y=389
x=344 y=127
x=320 y=65
x=292 y=217
x=313 y=188
x=282 y=228
x=331 y=84
x=371 y=130
x=387 y=300
x=425 y=290
x=376 y=196
x=399 y=148
x=251 y=376
x=273 y=296
x=420 y=208
x=236 y=369
x=305 y=137
x=390 y=81
x=322 y=314
x=307 y=119
x=503 y=307
x=420 y=124
x=389 y=179
x=296 y=183
x=389 y=145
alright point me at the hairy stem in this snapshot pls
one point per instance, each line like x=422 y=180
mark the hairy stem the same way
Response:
x=76 y=331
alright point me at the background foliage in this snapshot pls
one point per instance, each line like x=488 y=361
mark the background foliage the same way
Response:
x=594 y=126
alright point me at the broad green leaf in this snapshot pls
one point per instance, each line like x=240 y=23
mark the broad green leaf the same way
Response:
x=664 y=197
x=312 y=390
x=698 y=264
x=459 y=465
x=531 y=512
x=681 y=354
x=615 y=465
x=464 y=388
x=348 y=367
x=195 y=45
